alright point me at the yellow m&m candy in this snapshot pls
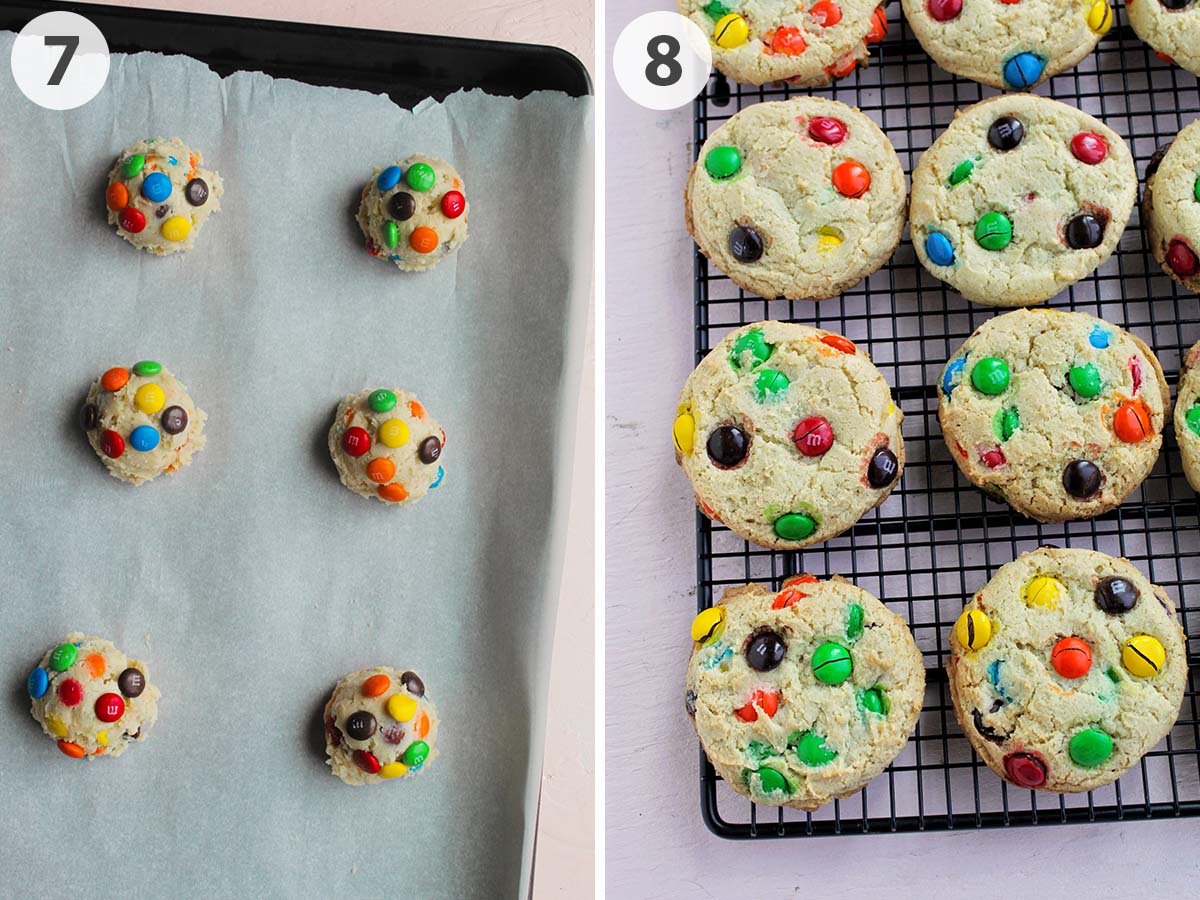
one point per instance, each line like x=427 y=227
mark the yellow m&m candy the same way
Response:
x=392 y=770
x=1044 y=591
x=176 y=228
x=828 y=237
x=684 y=433
x=401 y=707
x=149 y=398
x=394 y=433
x=731 y=31
x=1100 y=17
x=1143 y=656
x=709 y=625
x=56 y=726
x=973 y=629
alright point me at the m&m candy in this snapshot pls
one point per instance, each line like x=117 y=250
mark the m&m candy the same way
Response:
x=795 y=526
x=1131 y=422
x=144 y=438
x=727 y=446
x=813 y=436
x=731 y=31
x=1143 y=656
x=826 y=130
x=939 y=249
x=420 y=176
x=1023 y=70
x=1088 y=147
x=453 y=204
x=156 y=187
x=1116 y=595
x=708 y=625
x=723 y=162
x=990 y=375
x=811 y=749
x=356 y=441
x=973 y=629
x=1044 y=591
x=389 y=178
x=1071 y=657
x=993 y=231
x=851 y=178
x=832 y=663
x=1090 y=747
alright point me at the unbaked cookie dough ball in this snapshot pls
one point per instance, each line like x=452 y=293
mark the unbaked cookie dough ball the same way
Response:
x=158 y=196
x=385 y=445
x=141 y=422
x=91 y=698
x=379 y=725
x=414 y=212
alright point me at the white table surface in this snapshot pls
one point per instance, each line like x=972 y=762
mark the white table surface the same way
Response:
x=656 y=844
x=566 y=819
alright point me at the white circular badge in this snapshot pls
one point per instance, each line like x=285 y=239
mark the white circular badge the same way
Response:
x=60 y=60
x=662 y=60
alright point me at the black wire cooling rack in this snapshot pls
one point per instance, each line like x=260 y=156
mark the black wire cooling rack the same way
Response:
x=937 y=539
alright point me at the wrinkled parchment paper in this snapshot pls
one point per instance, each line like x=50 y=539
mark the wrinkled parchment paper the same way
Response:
x=252 y=580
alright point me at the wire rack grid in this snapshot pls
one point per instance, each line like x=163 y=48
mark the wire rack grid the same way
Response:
x=937 y=539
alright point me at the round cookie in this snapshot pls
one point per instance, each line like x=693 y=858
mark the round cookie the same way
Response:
x=806 y=44
x=158 y=195
x=788 y=434
x=1170 y=27
x=1006 y=44
x=414 y=212
x=803 y=696
x=1020 y=197
x=91 y=698
x=1187 y=415
x=141 y=422
x=1171 y=203
x=1066 y=668
x=1058 y=413
x=379 y=726
x=385 y=445
x=797 y=198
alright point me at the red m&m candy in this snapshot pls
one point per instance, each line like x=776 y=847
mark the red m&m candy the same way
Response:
x=70 y=692
x=110 y=707
x=826 y=130
x=766 y=700
x=943 y=10
x=788 y=41
x=1132 y=423
x=879 y=26
x=1071 y=657
x=1089 y=148
x=453 y=204
x=366 y=761
x=826 y=12
x=1025 y=769
x=1182 y=259
x=993 y=457
x=112 y=444
x=131 y=220
x=813 y=436
x=851 y=178
x=356 y=441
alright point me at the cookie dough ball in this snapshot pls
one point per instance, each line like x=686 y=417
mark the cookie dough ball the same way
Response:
x=1170 y=27
x=1020 y=197
x=803 y=696
x=414 y=212
x=788 y=434
x=385 y=445
x=141 y=422
x=1058 y=413
x=1011 y=46
x=159 y=196
x=1066 y=668
x=1187 y=415
x=806 y=44
x=797 y=198
x=91 y=698
x=1171 y=202
x=379 y=725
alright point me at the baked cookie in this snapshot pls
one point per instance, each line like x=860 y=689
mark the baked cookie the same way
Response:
x=788 y=434
x=141 y=422
x=379 y=725
x=1187 y=415
x=1020 y=197
x=803 y=696
x=1170 y=27
x=1171 y=202
x=414 y=212
x=1006 y=44
x=806 y=44
x=91 y=698
x=385 y=445
x=797 y=198
x=159 y=196
x=1060 y=414
x=1066 y=668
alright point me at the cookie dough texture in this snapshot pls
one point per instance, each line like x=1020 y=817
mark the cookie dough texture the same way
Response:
x=817 y=241
x=985 y=35
x=406 y=221
x=79 y=681
x=1017 y=444
x=379 y=726
x=784 y=736
x=751 y=396
x=1187 y=415
x=1173 y=32
x=166 y=215
x=1016 y=708
x=1039 y=186
x=1171 y=202
x=386 y=445
x=122 y=401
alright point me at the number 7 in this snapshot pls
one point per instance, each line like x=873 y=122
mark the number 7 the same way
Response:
x=69 y=43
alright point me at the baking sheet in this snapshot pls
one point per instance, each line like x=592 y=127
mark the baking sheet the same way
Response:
x=252 y=580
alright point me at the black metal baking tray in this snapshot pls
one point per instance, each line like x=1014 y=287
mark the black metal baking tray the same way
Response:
x=937 y=539
x=407 y=67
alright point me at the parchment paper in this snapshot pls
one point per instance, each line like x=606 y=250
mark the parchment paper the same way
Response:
x=252 y=580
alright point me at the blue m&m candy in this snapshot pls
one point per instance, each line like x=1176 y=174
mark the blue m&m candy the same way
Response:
x=144 y=438
x=37 y=682
x=440 y=475
x=939 y=249
x=1023 y=70
x=157 y=187
x=388 y=178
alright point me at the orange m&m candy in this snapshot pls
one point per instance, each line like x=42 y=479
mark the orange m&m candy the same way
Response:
x=1132 y=423
x=767 y=701
x=117 y=196
x=837 y=342
x=423 y=239
x=394 y=492
x=376 y=685
x=826 y=12
x=381 y=469
x=114 y=379
x=878 y=30
x=788 y=41
x=1071 y=657
x=72 y=750
x=851 y=178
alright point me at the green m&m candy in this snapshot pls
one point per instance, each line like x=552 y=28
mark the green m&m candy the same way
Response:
x=832 y=663
x=993 y=231
x=391 y=234
x=723 y=162
x=961 y=172
x=749 y=351
x=1192 y=417
x=716 y=10
x=147 y=367
x=811 y=749
x=133 y=166
x=874 y=700
x=1090 y=747
x=990 y=376
x=382 y=400
x=770 y=384
x=1085 y=380
x=420 y=176
x=795 y=526
x=1196 y=189
x=854 y=622
x=63 y=657
x=1007 y=421
x=416 y=754
x=770 y=781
